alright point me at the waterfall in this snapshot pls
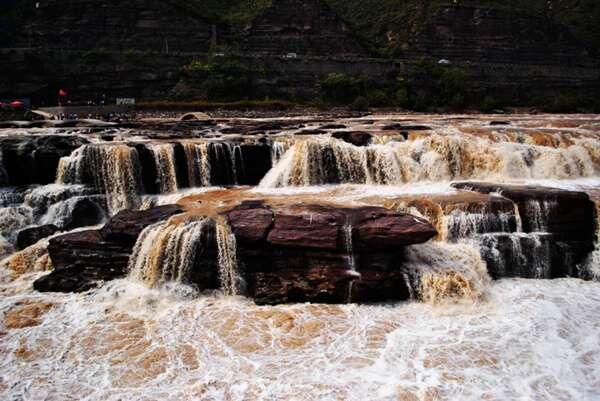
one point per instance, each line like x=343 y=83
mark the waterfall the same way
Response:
x=325 y=160
x=4 y=179
x=13 y=219
x=114 y=169
x=592 y=265
x=70 y=168
x=348 y=239
x=518 y=218
x=538 y=214
x=164 y=157
x=278 y=149
x=166 y=252
x=446 y=272
x=517 y=254
x=460 y=224
x=228 y=159
x=198 y=164
x=228 y=265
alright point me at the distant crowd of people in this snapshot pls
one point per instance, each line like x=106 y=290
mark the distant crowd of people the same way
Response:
x=111 y=117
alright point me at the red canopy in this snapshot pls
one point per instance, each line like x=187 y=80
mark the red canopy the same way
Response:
x=62 y=93
x=16 y=104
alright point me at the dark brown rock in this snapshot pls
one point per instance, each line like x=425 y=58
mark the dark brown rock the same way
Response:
x=83 y=259
x=403 y=127
x=567 y=214
x=85 y=213
x=307 y=227
x=379 y=228
x=34 y=159
x=333 y=126
x=318 y=284
x=356 y=138
x=378 y=286
x=127 y=225
x=306 y=256
x=31 y=235
x=250 y=222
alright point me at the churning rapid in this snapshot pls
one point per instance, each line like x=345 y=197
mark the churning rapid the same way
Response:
x=383 y=258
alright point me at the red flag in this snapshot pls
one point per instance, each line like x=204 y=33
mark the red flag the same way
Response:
x=62 y=93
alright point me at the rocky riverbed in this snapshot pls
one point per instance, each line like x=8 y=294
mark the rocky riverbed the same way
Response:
x=489 y=225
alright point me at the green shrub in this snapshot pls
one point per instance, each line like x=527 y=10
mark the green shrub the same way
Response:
x=361 y=103
x=340 y=88
x=490 y=103
x=220 y=79
x=378 y=98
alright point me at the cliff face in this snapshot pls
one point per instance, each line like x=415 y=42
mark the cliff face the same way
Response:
x=115 y=25
x=137 y=48
x=301 y=27
x=507 y=51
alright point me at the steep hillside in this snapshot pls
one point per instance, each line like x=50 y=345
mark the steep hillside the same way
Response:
x=513 y=51
x=388 y=24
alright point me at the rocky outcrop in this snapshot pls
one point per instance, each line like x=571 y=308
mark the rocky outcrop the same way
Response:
x=539 y=256
x=356 y=138
x=557 y=232
x=284 y=253
x=317 y=253
x=569 y=215
x=34 y=159
x=83 y=259
x=85 y=212
x=126 y=226
x=31 y=235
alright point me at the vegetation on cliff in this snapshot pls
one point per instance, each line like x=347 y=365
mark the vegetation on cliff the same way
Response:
x=388 y=24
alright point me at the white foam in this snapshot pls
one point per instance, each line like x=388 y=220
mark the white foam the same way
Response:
x=529 y=340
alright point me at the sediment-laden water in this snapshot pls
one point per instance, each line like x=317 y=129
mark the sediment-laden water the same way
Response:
x=502 y=304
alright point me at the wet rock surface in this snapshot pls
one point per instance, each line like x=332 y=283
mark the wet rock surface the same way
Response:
x=126 y=226
x=357 y=138
x=84 y=258
x=31 y=235
x=34 y=159
x=305 y=252
x=567 y=214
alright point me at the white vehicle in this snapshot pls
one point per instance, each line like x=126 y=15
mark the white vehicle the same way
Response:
x=444 y=62
x=291 y=55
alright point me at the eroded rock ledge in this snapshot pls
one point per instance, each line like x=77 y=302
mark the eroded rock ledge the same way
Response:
x=285 y=253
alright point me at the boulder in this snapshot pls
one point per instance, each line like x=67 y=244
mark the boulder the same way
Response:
x=403 y=127
x=85 y=213
x=127 y=225
x=34 y=159
x=379 y=228
x=356 y=138
x=82 y=259
x=31 y=235
x=250 y=222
